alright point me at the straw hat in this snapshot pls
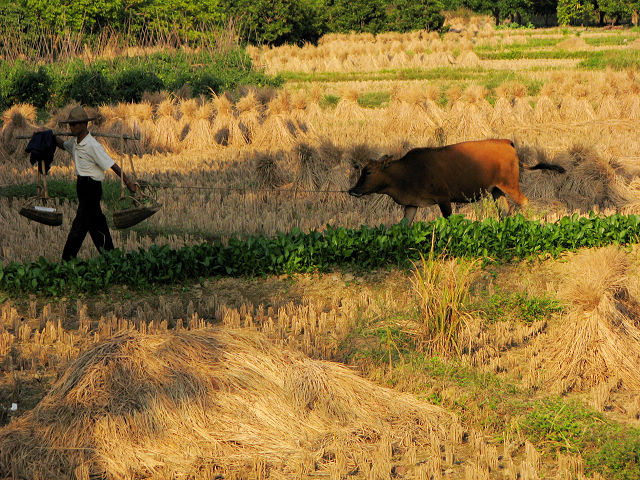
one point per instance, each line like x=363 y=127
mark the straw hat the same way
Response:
x=78 y=115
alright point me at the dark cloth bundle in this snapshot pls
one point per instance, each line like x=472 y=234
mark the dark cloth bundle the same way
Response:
x=42 y=146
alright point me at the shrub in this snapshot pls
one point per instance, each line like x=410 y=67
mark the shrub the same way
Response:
x=87 y=85
x=26 y=85
x=129 y=85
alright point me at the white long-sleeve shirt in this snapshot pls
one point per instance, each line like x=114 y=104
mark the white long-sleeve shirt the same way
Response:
x=89 y=157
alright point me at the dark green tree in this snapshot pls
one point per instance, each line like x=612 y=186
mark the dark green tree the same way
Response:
x=275 y=22
x=614 y=10
x=356 y=16
x=500 y=9
x=575 y=12
x=408 y=15
x=545 y=9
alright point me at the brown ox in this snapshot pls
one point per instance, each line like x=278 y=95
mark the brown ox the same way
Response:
x=459 y=173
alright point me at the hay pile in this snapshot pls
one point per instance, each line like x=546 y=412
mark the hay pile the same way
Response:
x=572 y=44
x=599 y=341
x=590 y=182
x=20 y=119
x=195 y=404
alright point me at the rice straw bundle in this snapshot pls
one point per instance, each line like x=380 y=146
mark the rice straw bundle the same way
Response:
x=600 y=338
x=314 y=111
x=188 y=109
x=572 y=44
x=200 y=135
x=268 y=172
x=193 y=403
x=277 y=132
x=590 y=181
x=165 y=134
x=141 y=122
x=539 y=186
x=225 y=125
x=468 y=58
x=20 y=119
x=249 y=111
x=632 y=107
x=405 y=113
x=522 y=111
x=511 y=90
x=454 y=93
x=609 y=108
x=502 y=116
x=299 y=105
x=474 y=93
x=545 y=110
x=114 y=122
x=574 y=110
x=311 y=170
x=467 y=122
x=348 y=109
x=280 y=104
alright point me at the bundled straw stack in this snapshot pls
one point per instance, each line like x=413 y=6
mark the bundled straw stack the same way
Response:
x=200 y=135
x=213 y=402
x=599 y=341
x=165 y=134
x=279 y=130
x=20 y=119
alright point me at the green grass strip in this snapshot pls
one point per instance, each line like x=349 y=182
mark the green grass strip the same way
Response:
x=614 y=59
x=298 y=252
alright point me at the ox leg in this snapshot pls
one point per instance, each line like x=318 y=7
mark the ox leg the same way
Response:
x=516 y=195
x=445 y=208
x=500 y=198
x=410 y=213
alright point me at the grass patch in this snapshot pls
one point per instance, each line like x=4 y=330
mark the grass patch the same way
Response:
x=62 y=190
x=609 y=40
x=531 y=43
x=526 y=54
x=519 y=307
x=568 y=426
x=329 y=101
x=374 y=99
x=617 y=60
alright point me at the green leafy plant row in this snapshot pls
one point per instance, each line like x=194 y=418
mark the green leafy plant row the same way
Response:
x=365 y=248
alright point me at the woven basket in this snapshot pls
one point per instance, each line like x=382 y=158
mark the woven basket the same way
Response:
x=47 y=216
x=53 y=219
x=132 y=216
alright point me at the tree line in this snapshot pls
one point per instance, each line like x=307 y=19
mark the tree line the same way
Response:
x=275 y=22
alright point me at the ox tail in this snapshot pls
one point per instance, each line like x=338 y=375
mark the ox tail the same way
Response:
x=547 y=166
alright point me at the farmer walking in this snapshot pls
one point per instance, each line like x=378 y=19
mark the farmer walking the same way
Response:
x=91 y=161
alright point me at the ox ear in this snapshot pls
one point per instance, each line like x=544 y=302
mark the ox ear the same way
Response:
x=385 y=160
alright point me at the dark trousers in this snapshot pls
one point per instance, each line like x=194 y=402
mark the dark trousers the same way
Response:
x=89 y=218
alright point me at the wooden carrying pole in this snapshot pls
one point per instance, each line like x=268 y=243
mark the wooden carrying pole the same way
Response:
x=96 y=134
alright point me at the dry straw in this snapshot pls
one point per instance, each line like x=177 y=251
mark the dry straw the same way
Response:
x=600 y=338
x=269 y=174
x=20 y=119
x=165 y=134
x=200 y=135
x=442 y=287
x=191 y=403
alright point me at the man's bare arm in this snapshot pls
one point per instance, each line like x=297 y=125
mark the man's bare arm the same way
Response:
x=59 y=141
x=130 y=185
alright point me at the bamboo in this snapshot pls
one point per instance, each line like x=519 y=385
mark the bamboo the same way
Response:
x=96 y=134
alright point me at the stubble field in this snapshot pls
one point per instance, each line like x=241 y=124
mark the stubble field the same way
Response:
x=453 y=368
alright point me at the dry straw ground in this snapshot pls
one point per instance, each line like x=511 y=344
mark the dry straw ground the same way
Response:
x=234 y=377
